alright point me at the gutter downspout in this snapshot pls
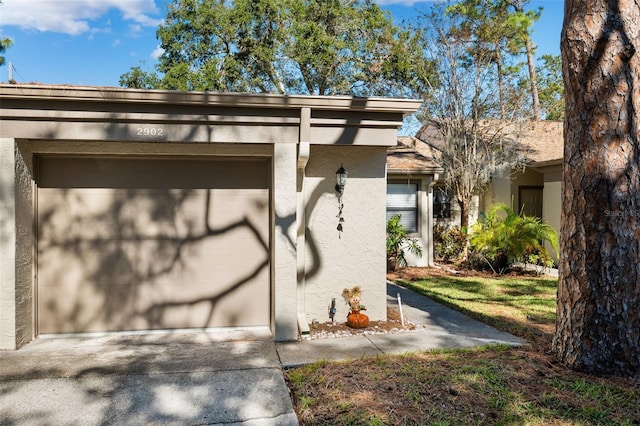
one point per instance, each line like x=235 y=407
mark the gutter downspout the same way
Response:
x=430 y=220
x=304 y=147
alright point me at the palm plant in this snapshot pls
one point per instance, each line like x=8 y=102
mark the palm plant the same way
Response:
x=399 y=243
x=504 y=237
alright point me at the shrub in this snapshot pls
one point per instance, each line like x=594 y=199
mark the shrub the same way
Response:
x=504 y=237
x=448 y=242
x=398 y=243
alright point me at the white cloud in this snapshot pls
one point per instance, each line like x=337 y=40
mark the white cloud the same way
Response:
x=157 y=52
x=73 y=16
x=135 y=29
x=116 y=43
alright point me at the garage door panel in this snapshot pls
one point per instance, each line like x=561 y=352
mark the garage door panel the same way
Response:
x=117 y=263
x=83 y=308
x=158 y=173
x=66 y=214
x=236 y=304
x=127 y=259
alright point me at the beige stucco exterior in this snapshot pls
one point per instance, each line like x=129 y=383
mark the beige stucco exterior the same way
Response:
x=505 y=188
x=335 y=260
x=304 y=138
x=552 y=198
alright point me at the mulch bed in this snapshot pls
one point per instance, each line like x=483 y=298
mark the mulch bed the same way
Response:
x=393 y=324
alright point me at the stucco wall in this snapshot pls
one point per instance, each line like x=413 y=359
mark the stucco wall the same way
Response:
x=7 y=245
x=357 y=256
x=284 y=250
x=25 y=245
x=499 y=191
x=16 y=247
x=551 y=207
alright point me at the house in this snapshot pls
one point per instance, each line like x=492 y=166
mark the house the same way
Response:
x=534 y=190
x=411 y=176
x=128 y=209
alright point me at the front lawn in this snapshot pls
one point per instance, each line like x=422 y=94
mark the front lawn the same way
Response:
x=491 y=385
x=524 y=306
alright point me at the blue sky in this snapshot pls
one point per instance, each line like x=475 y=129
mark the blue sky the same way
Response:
x=93 y=42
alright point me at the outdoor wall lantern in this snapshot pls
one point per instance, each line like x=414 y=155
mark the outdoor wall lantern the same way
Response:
x=341 y=178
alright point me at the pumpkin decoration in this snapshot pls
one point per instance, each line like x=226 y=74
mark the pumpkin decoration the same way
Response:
x=355 y=319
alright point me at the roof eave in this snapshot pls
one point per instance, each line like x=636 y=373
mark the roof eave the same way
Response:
x=262 y=100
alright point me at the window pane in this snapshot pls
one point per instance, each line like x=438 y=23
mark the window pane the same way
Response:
x=402 y=199
x=441 y=203
x=407 y=219
x=402 y=195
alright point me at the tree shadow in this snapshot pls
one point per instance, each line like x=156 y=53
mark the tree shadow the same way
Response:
x=181 y=378
x=152 y=258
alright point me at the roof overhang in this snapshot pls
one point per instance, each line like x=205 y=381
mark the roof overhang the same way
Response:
x=33 y=111
x=415 y=172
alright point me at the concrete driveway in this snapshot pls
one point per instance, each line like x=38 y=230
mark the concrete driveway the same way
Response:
x=182 y=378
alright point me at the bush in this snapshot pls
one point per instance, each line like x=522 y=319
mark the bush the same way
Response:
x=448 y=242
x=504 y=237
x=398 y=243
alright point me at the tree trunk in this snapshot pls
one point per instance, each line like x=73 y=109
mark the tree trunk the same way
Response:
x=464 y=226
x=518 y=5
x=464 y=214
x=533 y=79
x=598 y=312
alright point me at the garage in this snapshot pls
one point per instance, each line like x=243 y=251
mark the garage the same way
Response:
x=148 y=243
x=131 y=209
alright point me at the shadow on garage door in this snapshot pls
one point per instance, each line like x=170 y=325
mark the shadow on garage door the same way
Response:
x=150 y=243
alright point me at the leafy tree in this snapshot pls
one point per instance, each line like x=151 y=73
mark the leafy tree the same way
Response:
x=469 y=147
x=522 y=21
x=504 y=237
x=598 y=313
x=5 y=43
x=139 y=79
x=551 y=87
x=328 y=47
x=498 y=30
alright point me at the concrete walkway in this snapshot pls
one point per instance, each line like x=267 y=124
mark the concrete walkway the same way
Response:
x=199 y=377
x=442 y=327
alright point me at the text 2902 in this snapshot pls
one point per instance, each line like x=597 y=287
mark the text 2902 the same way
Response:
x=150 y=131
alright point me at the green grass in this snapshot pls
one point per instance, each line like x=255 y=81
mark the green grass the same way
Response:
x=493 y=385
x=525 y=307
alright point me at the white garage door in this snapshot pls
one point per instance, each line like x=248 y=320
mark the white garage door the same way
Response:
x=141 y=244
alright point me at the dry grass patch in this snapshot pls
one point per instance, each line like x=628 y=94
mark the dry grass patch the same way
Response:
x=496 y=385
x=487 y=386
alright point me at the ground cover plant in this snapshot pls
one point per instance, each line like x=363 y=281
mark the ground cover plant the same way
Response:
x=490 y=385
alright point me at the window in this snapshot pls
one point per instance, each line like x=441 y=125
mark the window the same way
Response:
x=402 y=199
x=441 y=203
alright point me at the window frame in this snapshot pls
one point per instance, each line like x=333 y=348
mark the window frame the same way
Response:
x=417 y=183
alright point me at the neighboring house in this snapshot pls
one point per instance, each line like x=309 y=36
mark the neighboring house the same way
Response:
x=535 y=191
x=410 y=179
x=128 y=209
